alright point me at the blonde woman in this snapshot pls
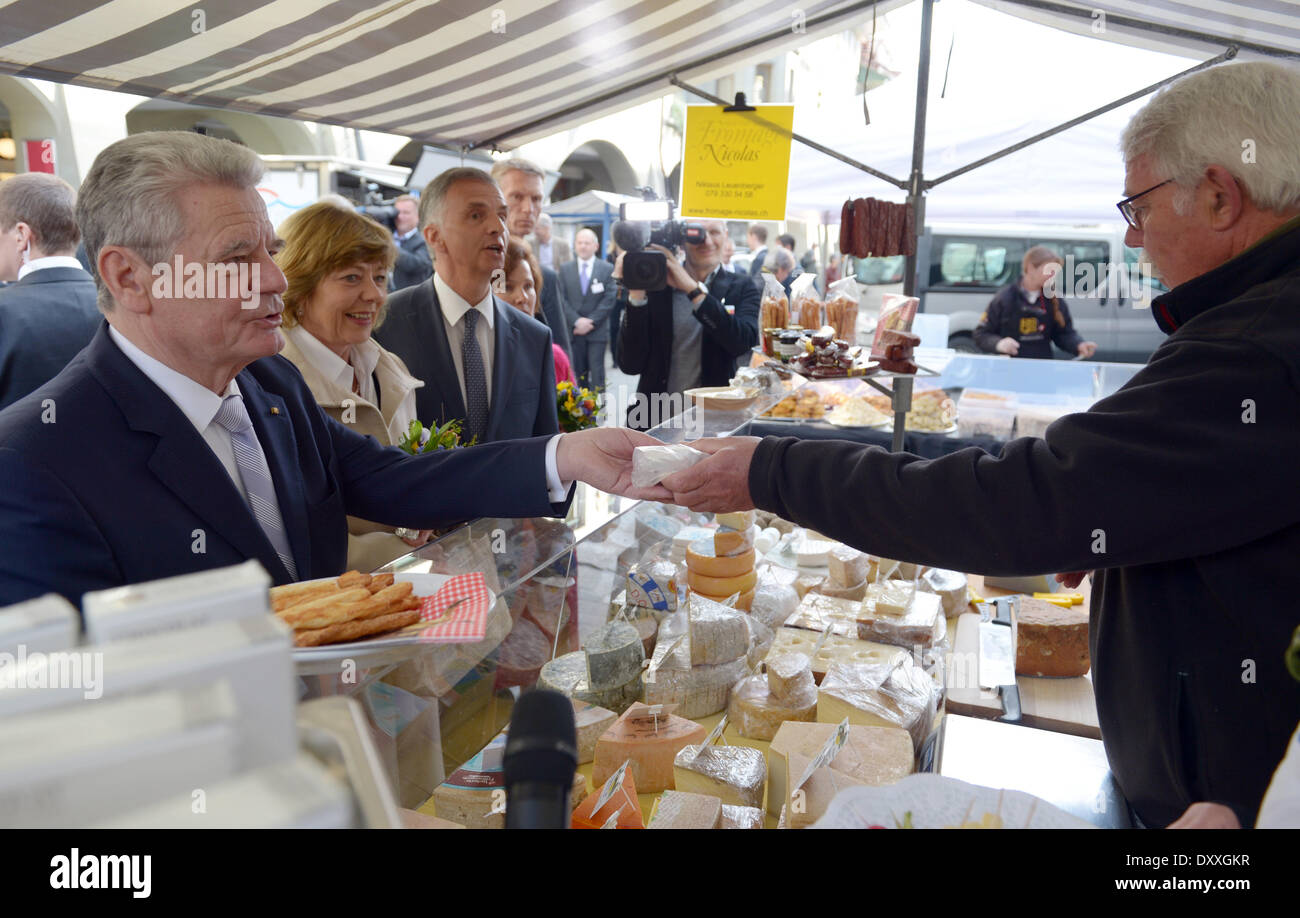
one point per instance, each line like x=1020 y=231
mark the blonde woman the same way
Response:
x=1023 y=321
x=337 y=263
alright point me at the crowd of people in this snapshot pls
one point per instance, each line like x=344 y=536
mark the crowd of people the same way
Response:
x=154 y=431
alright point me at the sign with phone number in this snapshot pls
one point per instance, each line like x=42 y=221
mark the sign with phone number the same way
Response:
x=736 y=165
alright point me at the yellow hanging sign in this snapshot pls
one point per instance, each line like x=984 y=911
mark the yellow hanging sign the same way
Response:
x=736 y=165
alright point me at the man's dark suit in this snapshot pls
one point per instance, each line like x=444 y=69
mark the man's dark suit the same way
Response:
x=414 y=263
x=756 y=264
x=523 y=370
x=121 y=488
x=596 y=305
x=554 y=311
x=645 y=341
x=45 y=319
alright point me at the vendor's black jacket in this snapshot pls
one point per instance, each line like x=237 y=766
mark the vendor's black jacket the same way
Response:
x=1034 y=325
x=645 y=338
x=1182 y=490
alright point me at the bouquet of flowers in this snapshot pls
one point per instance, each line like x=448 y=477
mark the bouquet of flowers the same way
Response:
x=420 y=439
x=578 y=408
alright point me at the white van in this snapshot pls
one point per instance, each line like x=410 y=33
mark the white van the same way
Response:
x=961 y=267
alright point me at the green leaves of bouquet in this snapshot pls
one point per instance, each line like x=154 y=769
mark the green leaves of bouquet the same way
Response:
x=577 y=408
x=445 y=437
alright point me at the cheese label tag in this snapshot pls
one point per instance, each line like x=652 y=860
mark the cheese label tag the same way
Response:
x=826 y=632
x=614 y=783
x=612 y=821
x=672 y=648
x=829 y=751
x=713 y=735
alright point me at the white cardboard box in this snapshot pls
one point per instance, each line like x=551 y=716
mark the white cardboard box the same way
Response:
x=39 y=625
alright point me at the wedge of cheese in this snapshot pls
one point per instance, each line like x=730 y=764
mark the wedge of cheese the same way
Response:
x=591 y=723
x=847 y=566
x=623 y=802
x=870 y=755
x=679 y=810
x=757 y=713
x=650 y=741
x=807 y=804
x=837 y=648
x=718 y=634
x=734 y=774
x=738 y=519
x=895 y=614
x=898 y=694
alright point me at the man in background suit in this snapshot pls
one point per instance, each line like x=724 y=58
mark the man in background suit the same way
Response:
x=180 y=441
x=550 y=250
x=49 y=314
x=522 y=185
x=414 y=263
x=589 y=292
x=482 y=361
x=756 y=239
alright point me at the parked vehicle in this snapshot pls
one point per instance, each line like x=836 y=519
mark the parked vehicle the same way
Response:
x=961 y=267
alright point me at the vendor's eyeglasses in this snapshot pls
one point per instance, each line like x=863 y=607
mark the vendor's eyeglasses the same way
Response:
x=1129 y=212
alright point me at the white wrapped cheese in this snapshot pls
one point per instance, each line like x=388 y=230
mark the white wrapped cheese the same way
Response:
x=734 y=774
x=652 y=464
x=774 y=601
x=890 y=695
x=718 y=633
x=920 y=621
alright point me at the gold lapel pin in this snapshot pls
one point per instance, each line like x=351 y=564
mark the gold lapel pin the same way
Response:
x=274 y=410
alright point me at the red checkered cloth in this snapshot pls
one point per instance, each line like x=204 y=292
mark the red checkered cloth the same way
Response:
x=468 y=621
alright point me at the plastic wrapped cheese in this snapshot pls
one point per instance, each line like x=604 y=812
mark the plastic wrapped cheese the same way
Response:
x=741 y=817
x=757 y=713
x=816 y=610
x=774 y=601
x=847 y=566
x=681 y=810
x=652 y=464
x=739 y=520
x=857 y=592
x=951 y=588
x=836 y=648
x=898 y=695
x=653 y=585
x=718 y=633
x=874 y=756
x=734 y=774
x=921 y=623
x=760 y=642
x=788 y=674
x=650 y=741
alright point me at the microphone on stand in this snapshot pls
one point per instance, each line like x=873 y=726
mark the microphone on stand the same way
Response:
x=540 y=759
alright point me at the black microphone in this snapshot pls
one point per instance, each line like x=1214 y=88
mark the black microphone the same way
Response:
x=540 y=760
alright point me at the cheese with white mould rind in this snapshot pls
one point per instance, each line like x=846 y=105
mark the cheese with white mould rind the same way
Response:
x=722 y=586
x=738 y=519
x=718 y=634
x=741 y=817
x=680 y=810
x=898 y=695
x=813 y=552
x=951 y=588
x=921 y=623
x=698 y=691
x=907 y=570
x=874 y=756
x=835 y=649
x=847 y=566
x=734 y=774
x=614 y=654
x=651 y=751
x=591 y=723
x=711 y=565
x=757 y=714
x=788 y=673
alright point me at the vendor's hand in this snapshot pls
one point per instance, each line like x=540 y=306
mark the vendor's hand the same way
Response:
x=602 y=457
x=1008 y=346
x=415 y=538
x=677 y=276
x=1087 y=349
x=720 y=483
x=1207 y=816
x=583 y=326
x=1072 y=579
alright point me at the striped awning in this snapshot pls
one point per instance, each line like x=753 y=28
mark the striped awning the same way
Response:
x=454 y=72
x=1262 y=28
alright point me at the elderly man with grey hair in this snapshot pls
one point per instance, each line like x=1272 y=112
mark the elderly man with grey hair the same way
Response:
x=483 y=362
x=1180 y=492
x=179 y=440
x=782 y=265
x=550 y=250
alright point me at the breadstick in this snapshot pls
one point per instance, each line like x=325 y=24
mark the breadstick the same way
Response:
x=328 y=609
x=351 y=631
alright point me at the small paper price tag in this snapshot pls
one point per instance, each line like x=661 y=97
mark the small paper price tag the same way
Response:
x=614 y=783
x=826 y=632
x=612 y=821
x=828 y=753
x=713 y=735
x=672 y=648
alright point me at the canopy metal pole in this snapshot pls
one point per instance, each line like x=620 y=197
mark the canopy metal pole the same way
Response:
x=1227 y=55
x=898 y=183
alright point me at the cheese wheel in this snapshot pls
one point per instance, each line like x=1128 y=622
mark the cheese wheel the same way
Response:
x=722 y=586
x=758 y=714
x=745 y=603
x=712 y=566
x=726 y=542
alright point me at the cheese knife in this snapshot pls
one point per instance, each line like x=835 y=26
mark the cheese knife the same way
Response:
x=997 y=662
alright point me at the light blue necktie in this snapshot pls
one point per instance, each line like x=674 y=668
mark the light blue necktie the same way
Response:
x=256 y=476
x=476 y=394
x=585 y=278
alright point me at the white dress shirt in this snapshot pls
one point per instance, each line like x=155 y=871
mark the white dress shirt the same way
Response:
x=454 y=308
x=363 y=358
x=546 y=254
x=198 y=403
x=49 y=261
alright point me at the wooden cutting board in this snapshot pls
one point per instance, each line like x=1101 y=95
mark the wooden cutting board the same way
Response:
x=1061 y=705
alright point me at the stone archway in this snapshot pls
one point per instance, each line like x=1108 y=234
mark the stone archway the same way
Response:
x=27 y=115
x=596 y=165
x=260 y=133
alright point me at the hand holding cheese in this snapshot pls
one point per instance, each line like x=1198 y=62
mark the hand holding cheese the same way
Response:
x=721 y=482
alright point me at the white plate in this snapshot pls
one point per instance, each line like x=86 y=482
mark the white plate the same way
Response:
x=391 y=647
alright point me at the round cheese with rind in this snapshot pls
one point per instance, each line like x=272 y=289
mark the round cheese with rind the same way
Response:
x=567 y=675
x=744 y=602
x=614 y=654
x=718 y=633
x=758 y=714
x=711 y=565
x=722 y=586
x=698 y=691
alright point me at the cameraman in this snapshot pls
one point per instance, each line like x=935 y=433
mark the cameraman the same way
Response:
x=693 y=332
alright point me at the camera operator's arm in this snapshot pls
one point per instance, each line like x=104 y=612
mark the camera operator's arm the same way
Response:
x=632 y=348
x=737 y=333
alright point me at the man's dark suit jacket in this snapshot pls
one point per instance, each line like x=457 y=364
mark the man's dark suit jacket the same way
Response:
x=523 y=371
x=414 y=263
x=121 y=488
x=645 y=339
x=554 y=311
x=45 y=319
x=594 y=306
x=756 y=265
